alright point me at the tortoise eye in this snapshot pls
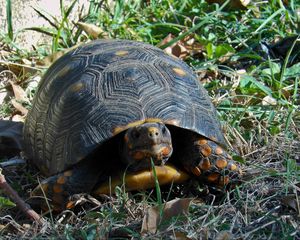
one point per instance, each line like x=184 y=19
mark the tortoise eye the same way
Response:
x=135 y=134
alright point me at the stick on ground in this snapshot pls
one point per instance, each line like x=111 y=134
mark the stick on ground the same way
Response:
x=24 y=207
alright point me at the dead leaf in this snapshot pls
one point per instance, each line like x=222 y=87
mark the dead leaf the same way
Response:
x=81 y=199
x=180 y=236
x=183 y=48
x=20 y=69
x=3 y=95
x=152 y=221
x=47 y=61
x=10 y=137
x=291 y=202
x=19 y=107
x=268 y=100
x=18 y=118
x=237 y=4
x=224 y=235
x=92 y=30
x=20 y=94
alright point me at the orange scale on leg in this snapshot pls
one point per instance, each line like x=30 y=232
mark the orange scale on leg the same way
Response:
x=205 y=150
x=202 y=141
x=196 y=171
x=213 y=177
x=219 y=150
x=205 y=164
x=61 y=180
x=232 y=166
x=221 y=163
x=57 y=188
x=224 y=180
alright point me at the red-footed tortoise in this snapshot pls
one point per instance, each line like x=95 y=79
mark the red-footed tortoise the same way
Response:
x=113 y=105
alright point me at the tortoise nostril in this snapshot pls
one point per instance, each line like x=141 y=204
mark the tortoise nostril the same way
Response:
x=153 y=132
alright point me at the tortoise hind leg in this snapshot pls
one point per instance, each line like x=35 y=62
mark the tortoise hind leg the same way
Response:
x=58 y=188
x=206 y=159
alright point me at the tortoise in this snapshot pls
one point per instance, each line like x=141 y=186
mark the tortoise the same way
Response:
x=113 y=105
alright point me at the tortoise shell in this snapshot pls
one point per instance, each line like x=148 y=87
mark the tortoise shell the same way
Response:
x=100 y=89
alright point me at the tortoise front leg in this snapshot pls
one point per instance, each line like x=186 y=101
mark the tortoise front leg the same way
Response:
x=206 y=159
x=58 y=188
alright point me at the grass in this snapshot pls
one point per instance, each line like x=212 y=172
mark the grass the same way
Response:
x=258 y=104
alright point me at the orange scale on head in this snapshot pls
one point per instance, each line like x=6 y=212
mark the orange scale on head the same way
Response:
x=166 y=151
x=138 y=155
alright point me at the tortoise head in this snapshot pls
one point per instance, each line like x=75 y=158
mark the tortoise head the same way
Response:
x=146 y=142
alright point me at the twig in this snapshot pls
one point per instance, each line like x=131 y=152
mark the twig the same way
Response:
x=12 y=162
x=19 y=202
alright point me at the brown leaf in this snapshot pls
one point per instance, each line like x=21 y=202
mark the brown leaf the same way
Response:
x=81 y=199
x=152 y=221
x=93 y=30
x=19 y=107
x=268 y=100
x=291 y=202
x=47 y=61
x=183 y=48
x=19 y=92
x=224 y=235
x=177 y=49
x=237 y=4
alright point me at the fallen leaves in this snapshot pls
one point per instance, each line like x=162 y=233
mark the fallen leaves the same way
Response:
x=236 y=4
x=92 y=30
x=158 y=218
x=184 y=48
x=292 y=202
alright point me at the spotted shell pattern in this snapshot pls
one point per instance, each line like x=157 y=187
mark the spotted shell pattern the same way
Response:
x=99 y=89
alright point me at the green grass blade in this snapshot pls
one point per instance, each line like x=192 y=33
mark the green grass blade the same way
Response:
x=183 y=35
x=157 y=189
x=269 y=19
x=9 y=20
x=193 y=29
x=44 y=30
x=286 y=60
x=69 y=10
x=43 y=15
